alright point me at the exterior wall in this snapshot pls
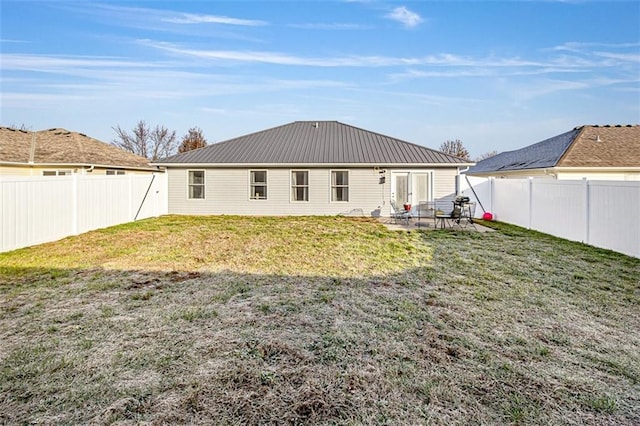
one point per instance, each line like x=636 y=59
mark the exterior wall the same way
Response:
x=37 y=170
x=564 y=175
x=227 y=192
x=444 y=185
x=629 y=176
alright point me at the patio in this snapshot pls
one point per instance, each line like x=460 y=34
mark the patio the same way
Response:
x=429 y=224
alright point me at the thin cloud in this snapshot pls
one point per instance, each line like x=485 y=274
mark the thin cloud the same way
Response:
x=406 y=17
x=331 y=26
x=442 y=60
x=190 y=18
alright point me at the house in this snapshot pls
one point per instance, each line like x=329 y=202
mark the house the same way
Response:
x=592 y=152
x=56 y=152
x=309 y=168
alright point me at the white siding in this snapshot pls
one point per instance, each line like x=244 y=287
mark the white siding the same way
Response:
x=227 y=192
x=444 y=186
x=599 y=175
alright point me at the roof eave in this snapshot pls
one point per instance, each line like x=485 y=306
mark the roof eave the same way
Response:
x=87 y=165
x=598 y=169
x=311 y=165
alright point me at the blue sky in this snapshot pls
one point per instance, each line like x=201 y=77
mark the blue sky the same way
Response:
x=497 y=75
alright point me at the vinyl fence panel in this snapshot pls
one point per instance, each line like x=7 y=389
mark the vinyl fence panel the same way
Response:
x=558 y=208
x=36 y=209
x=604 y=214
x=511 y=201
x=614 y=216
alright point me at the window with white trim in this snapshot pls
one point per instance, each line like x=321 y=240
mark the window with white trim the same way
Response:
x=258 y=183
x=112 y=172
x=196 y=184
x=299 y=185
x=339 y=185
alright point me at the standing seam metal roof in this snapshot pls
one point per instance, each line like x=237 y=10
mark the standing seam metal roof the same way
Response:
x=302 y=142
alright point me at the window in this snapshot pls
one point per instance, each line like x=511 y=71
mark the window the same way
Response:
x=111 y=172
x=339 y=185
x=299 y=185
x=196 y=184
x=56 y=172
x=258 y=184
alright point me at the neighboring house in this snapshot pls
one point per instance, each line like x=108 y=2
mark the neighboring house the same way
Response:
x=309 y=168
x=592 y=152
x=56 y=152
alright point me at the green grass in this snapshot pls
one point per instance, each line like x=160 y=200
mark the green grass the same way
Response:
x=234 y=320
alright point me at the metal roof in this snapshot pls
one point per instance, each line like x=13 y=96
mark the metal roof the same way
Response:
x=539 y=155
x=314 y=142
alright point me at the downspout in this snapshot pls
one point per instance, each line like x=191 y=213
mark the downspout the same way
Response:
x=458 y=179
x=473 y=190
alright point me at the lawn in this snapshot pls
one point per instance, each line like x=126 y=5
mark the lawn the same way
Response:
x=233 y=320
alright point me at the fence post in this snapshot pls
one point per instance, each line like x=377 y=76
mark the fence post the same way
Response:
x=530 y=189
x=587 y=209
x=74 y=203
x=131 y=209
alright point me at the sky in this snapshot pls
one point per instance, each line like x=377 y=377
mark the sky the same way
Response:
x=497 y=75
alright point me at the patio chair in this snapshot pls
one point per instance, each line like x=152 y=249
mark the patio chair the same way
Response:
x=399 y=213
x=426 y=210
x=467 y=212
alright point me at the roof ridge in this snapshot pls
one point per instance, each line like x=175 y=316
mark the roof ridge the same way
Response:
x=569 y=146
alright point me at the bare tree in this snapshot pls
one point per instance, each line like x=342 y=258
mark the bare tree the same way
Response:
x=153 y=144
x=194 y=139
x=23 y=127
x=455 y=148
x=486 y=155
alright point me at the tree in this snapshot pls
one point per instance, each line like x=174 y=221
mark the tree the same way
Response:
x=455 y=148
x=23 y=127
x=153 y=144
x=194 y=139
x=487 y=155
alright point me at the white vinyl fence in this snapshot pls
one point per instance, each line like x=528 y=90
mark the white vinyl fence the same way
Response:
x=604 y=214
x=39 y=209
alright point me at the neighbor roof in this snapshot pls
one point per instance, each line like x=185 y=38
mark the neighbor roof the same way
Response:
x=60 y=146
x=314 y=142
x=584 y=146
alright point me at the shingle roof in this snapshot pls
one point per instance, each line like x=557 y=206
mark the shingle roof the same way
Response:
x=604 y=146
x=311 y=142
x=60 y=146
x=585 y=146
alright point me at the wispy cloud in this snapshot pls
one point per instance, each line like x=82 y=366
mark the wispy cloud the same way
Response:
x=154 y=19
x=553 y=64
x=406 y=17
x=331 y=26
x=190 y=18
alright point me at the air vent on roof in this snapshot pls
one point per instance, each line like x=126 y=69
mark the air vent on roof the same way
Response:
x=315 y=125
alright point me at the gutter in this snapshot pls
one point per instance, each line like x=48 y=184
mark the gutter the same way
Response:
x=313 y=165
x=85 y=165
